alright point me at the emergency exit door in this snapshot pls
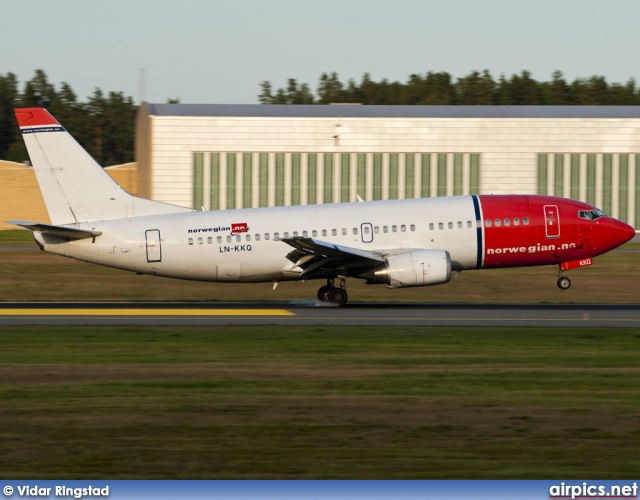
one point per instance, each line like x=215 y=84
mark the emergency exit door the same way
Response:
x=154 y=248
x=366 y=232
x=551 y=221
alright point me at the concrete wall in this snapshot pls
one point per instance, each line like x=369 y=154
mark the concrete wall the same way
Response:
x=20 y=197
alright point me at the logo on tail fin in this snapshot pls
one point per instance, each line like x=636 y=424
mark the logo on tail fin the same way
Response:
x=37 y=120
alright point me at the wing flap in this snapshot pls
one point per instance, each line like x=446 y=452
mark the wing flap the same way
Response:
x=312 y=256
x=332 y=250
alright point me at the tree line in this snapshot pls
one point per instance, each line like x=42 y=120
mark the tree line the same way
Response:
x=104 y=125
x=477 y=88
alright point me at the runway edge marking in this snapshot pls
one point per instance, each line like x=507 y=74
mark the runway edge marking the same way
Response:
x=143 y=312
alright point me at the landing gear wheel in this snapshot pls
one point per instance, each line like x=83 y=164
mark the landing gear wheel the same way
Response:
x=323 y=293
x=564 y=283
x=338 y=296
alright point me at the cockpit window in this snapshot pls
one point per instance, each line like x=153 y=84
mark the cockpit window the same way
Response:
x=590 y=214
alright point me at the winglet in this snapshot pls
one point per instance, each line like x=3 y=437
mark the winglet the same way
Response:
x=35 y=117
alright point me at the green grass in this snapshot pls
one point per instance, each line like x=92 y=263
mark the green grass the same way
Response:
x=33 y=276
x=10 y=238
x=322 y=402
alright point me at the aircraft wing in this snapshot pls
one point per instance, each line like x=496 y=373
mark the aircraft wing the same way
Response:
x=70 y=233
x=312 y=258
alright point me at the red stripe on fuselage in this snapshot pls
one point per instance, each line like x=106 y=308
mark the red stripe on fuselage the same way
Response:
x=509 y=241
x=34 y=117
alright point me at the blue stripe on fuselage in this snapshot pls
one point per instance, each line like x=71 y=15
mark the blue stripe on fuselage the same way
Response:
x=476 y=207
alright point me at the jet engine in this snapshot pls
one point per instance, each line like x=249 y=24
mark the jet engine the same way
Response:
x=417 y=268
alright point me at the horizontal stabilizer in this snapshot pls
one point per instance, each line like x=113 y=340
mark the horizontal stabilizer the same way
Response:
x=70 y=233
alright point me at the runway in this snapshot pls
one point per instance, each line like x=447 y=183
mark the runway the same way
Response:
x=315 y=313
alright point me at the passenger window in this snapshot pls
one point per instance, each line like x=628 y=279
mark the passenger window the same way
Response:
x=258 y=237
x=525 y=221
x=450 y=224
x=266 y=236
x=394 y=229
x=355 y=230
x=314 y=233
x=295 y=234
x=412 y=227
x=219 y=239
x=459 y=224
x=366 y=229
x=478 y=223
x=324 y=232
x=276 y=236
x=487 y=223
x=228 y=238
x=469 y=224
x=210 y=240
x=344 y=231
x=497 y=222
x=248 y=237
x=334 y=232
x=507 y=222
x=286 y=234
x=305 y=234
x=440 y=225
x=403 y=228
x=385 y=229
x=238 y=238
x=376 y=229
x=190 y=240
x=199 y=241
x=431 y=227
x=516 y=221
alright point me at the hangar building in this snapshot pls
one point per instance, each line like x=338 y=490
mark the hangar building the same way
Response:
x=236 y=156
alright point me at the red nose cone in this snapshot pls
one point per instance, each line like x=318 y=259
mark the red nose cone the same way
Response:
x=623 y=232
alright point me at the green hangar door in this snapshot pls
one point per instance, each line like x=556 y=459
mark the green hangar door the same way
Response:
x=154 y=248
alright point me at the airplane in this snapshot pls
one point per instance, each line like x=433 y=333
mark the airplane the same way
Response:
x=398 y=243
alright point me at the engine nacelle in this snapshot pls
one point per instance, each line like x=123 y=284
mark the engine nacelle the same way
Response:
x=418 y=268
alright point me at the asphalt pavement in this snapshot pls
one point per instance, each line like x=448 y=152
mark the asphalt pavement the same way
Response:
x=313 y=312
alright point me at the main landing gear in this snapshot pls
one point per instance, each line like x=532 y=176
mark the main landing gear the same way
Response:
x=563 y=282
x=333 y=294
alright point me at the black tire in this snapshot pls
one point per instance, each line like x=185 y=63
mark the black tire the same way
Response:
x=323 y=293
x=338 y=296
x=564 y=283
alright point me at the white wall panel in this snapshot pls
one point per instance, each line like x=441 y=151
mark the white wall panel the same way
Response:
x=508 y=147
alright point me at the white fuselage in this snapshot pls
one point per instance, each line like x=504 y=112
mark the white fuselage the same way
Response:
x=204 y=246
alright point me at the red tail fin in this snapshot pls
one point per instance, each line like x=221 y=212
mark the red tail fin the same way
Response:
x=34 y=117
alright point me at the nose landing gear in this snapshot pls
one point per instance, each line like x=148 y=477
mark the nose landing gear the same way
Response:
x=334 y=294
x=563 y=282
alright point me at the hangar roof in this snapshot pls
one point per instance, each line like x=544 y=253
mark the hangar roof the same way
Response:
x=359 y=111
